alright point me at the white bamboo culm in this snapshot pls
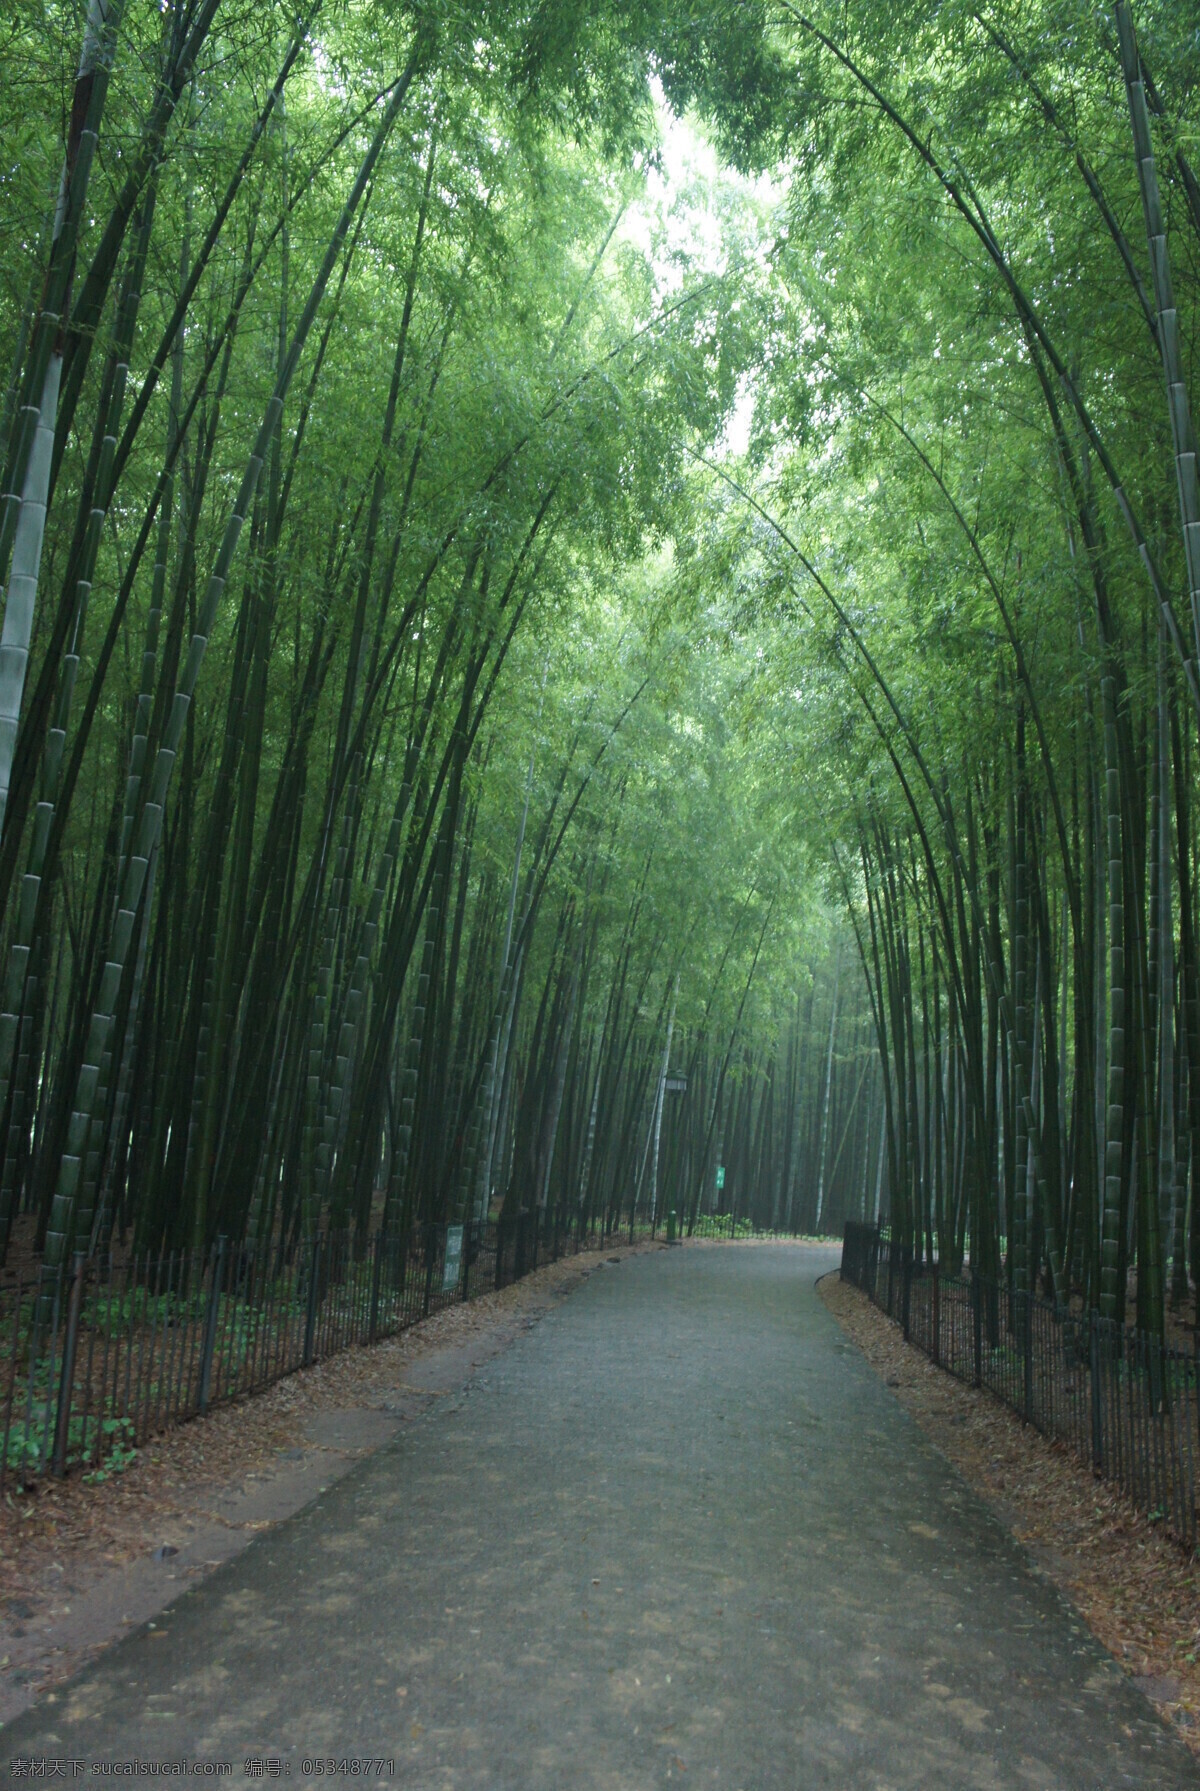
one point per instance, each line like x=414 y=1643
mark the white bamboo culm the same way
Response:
x=879 y=1166
x=20 y=599
x=658 y=1109
x=550 y=1133
x=837 y=971
x=585 y=1174
x=498 y=1053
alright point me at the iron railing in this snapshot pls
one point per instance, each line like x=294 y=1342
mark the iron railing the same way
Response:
x=1122 y=1402
x=120 y=1350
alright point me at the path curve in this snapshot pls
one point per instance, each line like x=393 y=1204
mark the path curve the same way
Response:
x=677 y=1534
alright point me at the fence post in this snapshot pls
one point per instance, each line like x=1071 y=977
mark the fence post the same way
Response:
x=1027 y=1347
x=906 y=1292
x=310 y=1320
x=977 y=1326
x=429 y=1253
x=377 y=1271
x=397 y=1270
x=210 y=1326
x=937 y=1320
x=66 y=1384
x=1097 y=1398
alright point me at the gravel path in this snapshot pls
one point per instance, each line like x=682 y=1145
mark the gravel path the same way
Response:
x=677 y=1533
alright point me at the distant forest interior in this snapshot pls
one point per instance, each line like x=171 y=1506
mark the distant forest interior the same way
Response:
x=601 y=618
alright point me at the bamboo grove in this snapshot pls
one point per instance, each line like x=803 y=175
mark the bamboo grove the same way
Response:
x=975 y=556
x=527 y=680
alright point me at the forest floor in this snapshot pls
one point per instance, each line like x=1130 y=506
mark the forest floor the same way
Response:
x=1133 y=1586
x=83 y=1564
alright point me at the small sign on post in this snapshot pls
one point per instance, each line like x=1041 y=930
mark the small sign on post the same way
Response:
x=675 y=1084
x=720 y=1176
x=453 y=1262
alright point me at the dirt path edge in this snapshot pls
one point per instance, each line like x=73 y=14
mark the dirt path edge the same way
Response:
x=81 y=1565
x=1131 y=1584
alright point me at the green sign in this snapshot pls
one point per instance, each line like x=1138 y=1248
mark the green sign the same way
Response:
x=720 y=1175
x=453 y=1263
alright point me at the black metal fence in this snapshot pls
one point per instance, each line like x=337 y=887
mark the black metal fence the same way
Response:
x=1126 y=1405
x=119 y=1351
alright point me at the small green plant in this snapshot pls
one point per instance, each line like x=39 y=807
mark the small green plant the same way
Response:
x=120 y=1453
x=114 y=1312
x=30 y=1443
x=23 y=1445
x=717 y=1225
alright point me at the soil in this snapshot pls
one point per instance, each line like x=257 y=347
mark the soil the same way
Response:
x=1137 y=1592
x=83 y=1563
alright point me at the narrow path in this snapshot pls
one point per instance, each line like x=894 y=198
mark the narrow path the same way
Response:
x=678 y=1534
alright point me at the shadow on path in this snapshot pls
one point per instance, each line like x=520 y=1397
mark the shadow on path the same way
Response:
x=677 y=1534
